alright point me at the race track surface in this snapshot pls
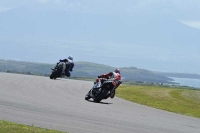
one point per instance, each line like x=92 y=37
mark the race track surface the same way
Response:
x=59 y=104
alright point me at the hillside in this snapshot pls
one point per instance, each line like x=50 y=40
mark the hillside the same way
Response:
x=83 y=69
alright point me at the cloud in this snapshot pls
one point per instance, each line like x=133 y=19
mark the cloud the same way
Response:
x=194 y=24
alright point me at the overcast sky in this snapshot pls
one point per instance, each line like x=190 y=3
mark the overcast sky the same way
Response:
x=161 y=35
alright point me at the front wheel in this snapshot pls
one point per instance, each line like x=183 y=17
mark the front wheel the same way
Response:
x=55 y=74
x=51 y=76
x=101 y=96
x=87 y=97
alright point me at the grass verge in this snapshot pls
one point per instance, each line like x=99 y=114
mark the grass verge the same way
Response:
x=10 y=127
x=177 y=100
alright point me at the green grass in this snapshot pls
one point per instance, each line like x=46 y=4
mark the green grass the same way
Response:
x=178 y=100
x=10 y=127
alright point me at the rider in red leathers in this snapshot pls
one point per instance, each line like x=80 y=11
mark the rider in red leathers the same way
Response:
x=116 y=79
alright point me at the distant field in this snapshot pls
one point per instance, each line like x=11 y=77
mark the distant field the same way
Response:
x=178 y=100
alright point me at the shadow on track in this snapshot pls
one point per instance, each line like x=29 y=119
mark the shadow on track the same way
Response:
x=99 y=102
x=62 y=79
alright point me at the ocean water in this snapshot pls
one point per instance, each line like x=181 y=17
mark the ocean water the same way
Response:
x=187 y=82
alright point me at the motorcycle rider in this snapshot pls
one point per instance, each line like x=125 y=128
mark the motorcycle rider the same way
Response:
x=116 y=79
x=68 y=66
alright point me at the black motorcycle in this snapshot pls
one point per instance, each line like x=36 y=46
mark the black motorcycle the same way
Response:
x=57 y=71
x=99 y=93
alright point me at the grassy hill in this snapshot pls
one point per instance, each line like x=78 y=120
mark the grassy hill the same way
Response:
x=82 y=69
x=24 y=67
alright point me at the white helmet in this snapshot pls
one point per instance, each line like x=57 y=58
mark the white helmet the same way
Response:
x=70 y=58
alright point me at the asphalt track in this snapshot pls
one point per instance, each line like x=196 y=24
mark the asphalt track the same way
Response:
x=59 y=104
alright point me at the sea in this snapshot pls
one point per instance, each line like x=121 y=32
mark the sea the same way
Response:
x=187 y=82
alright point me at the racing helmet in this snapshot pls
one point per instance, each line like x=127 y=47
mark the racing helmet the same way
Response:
x=70 y=58
x=117 y=71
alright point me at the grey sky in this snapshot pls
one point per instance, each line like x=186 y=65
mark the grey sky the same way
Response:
x=158 y=35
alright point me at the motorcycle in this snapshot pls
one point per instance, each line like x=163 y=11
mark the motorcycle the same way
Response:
x=57 y=71
x=98 y=93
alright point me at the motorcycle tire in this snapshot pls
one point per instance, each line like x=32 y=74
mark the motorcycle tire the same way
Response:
x=53 y=75
x=87 y=97
x=101 y=96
